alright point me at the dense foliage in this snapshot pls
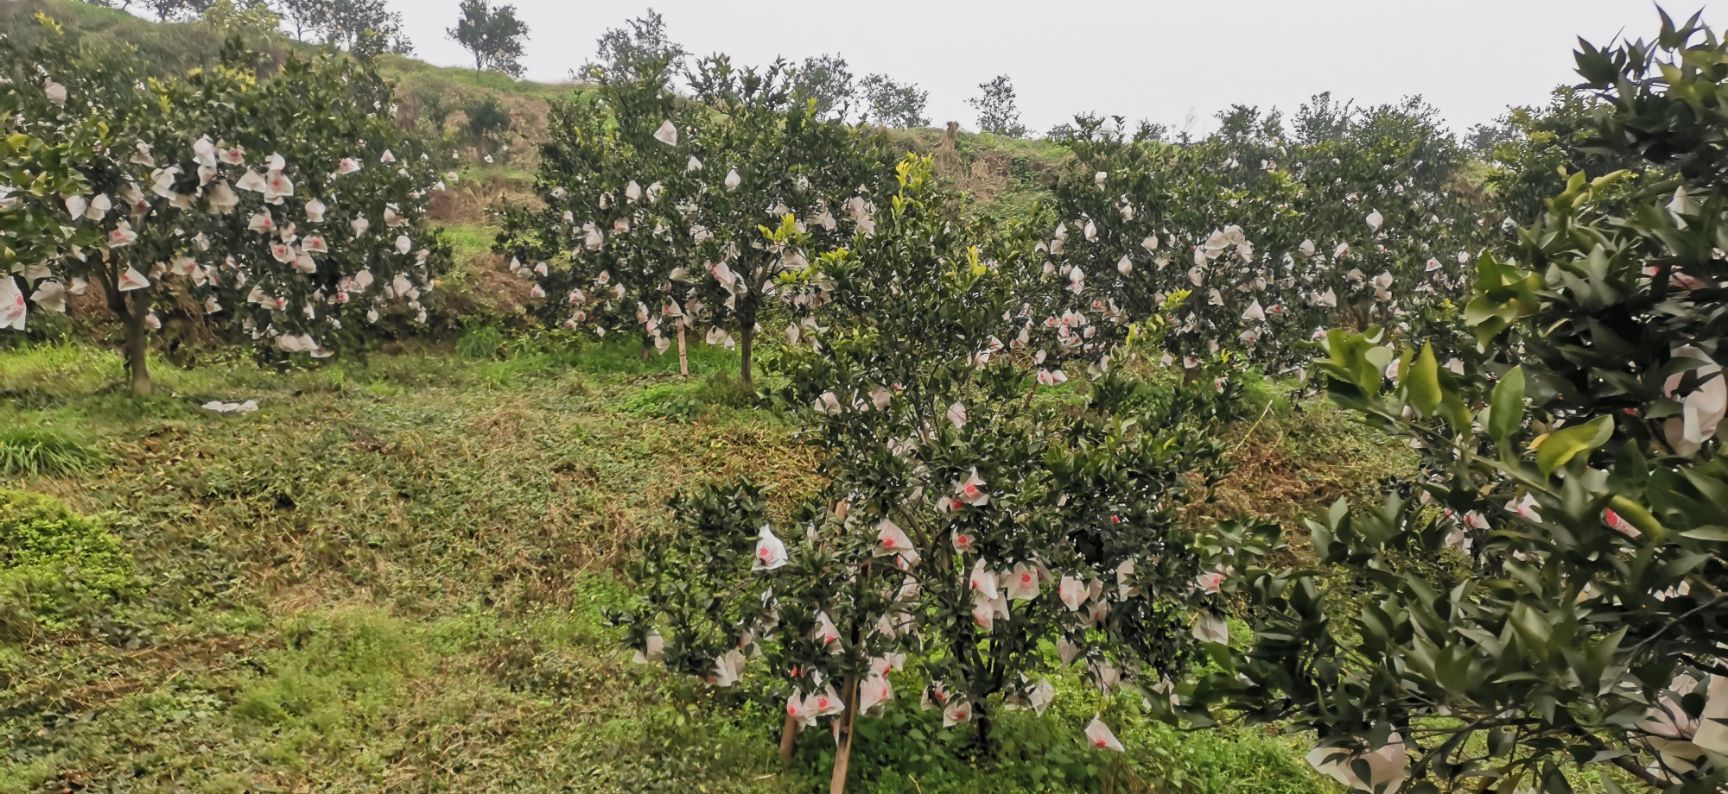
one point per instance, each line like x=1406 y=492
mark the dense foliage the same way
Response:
x=1010 y=430
x=289 y=207
x=1256 y=238
x=1576 y=494
x=663 y=213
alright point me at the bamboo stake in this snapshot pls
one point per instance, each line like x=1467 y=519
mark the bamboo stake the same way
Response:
x=683 y=357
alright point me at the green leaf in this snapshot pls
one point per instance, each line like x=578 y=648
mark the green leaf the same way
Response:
x=1563 y=445
x=1713 y=534
x=1380 y=357
x=1423 y=382
x=1507 y=406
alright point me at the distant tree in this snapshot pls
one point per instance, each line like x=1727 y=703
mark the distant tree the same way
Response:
x=1482 y=138
x=641 y=47
x=305 y=16
x=175 y=9
x=1322 y=118
x=493 y=34
x=891 y=103
x=828 y=80
x=245 y=17
x=998 y=113
x=365 y=28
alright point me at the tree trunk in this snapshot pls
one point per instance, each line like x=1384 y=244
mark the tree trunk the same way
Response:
x=983 y=719
x=788 y=740
x=138 y=346
x=746 y=337
x=843 y=752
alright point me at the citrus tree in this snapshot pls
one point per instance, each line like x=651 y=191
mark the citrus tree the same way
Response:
x=1574 y=493
x=614 y=244
x=276 y=206
x=970 y=518
x=775 y=161
x=1534 y=147
x=654 y=204
x=1256 y=237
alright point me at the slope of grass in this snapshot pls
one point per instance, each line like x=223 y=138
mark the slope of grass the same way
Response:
x=1002 y=177
x=412 y=70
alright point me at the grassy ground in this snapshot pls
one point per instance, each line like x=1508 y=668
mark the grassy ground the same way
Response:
x=391 y=577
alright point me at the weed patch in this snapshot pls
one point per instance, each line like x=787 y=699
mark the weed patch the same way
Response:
x=58 y=569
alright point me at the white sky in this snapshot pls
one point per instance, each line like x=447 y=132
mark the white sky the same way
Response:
x=1168 y=61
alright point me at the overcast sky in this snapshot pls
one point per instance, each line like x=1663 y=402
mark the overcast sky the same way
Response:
x=1175 y=62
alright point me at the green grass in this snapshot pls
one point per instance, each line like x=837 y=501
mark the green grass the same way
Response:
x=468 y=241
x=410 y=70
x=391 y=572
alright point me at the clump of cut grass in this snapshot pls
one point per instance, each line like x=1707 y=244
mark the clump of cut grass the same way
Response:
x=47 y=452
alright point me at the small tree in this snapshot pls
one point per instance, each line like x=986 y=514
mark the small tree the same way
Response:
x=781 y=183
x=493 y=34
x=365 y=28
x=891 y=103
x=828 y=80
x=614 y=245
x=963 y=524
x=642 y=47
x=998 y=111
x=1574 y=493
x=306 y=16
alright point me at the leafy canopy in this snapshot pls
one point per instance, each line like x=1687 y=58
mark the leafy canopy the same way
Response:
x=493 y=34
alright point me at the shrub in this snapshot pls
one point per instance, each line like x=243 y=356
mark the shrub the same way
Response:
x=488 y=123
x=655 y=205
x=1578 y=471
